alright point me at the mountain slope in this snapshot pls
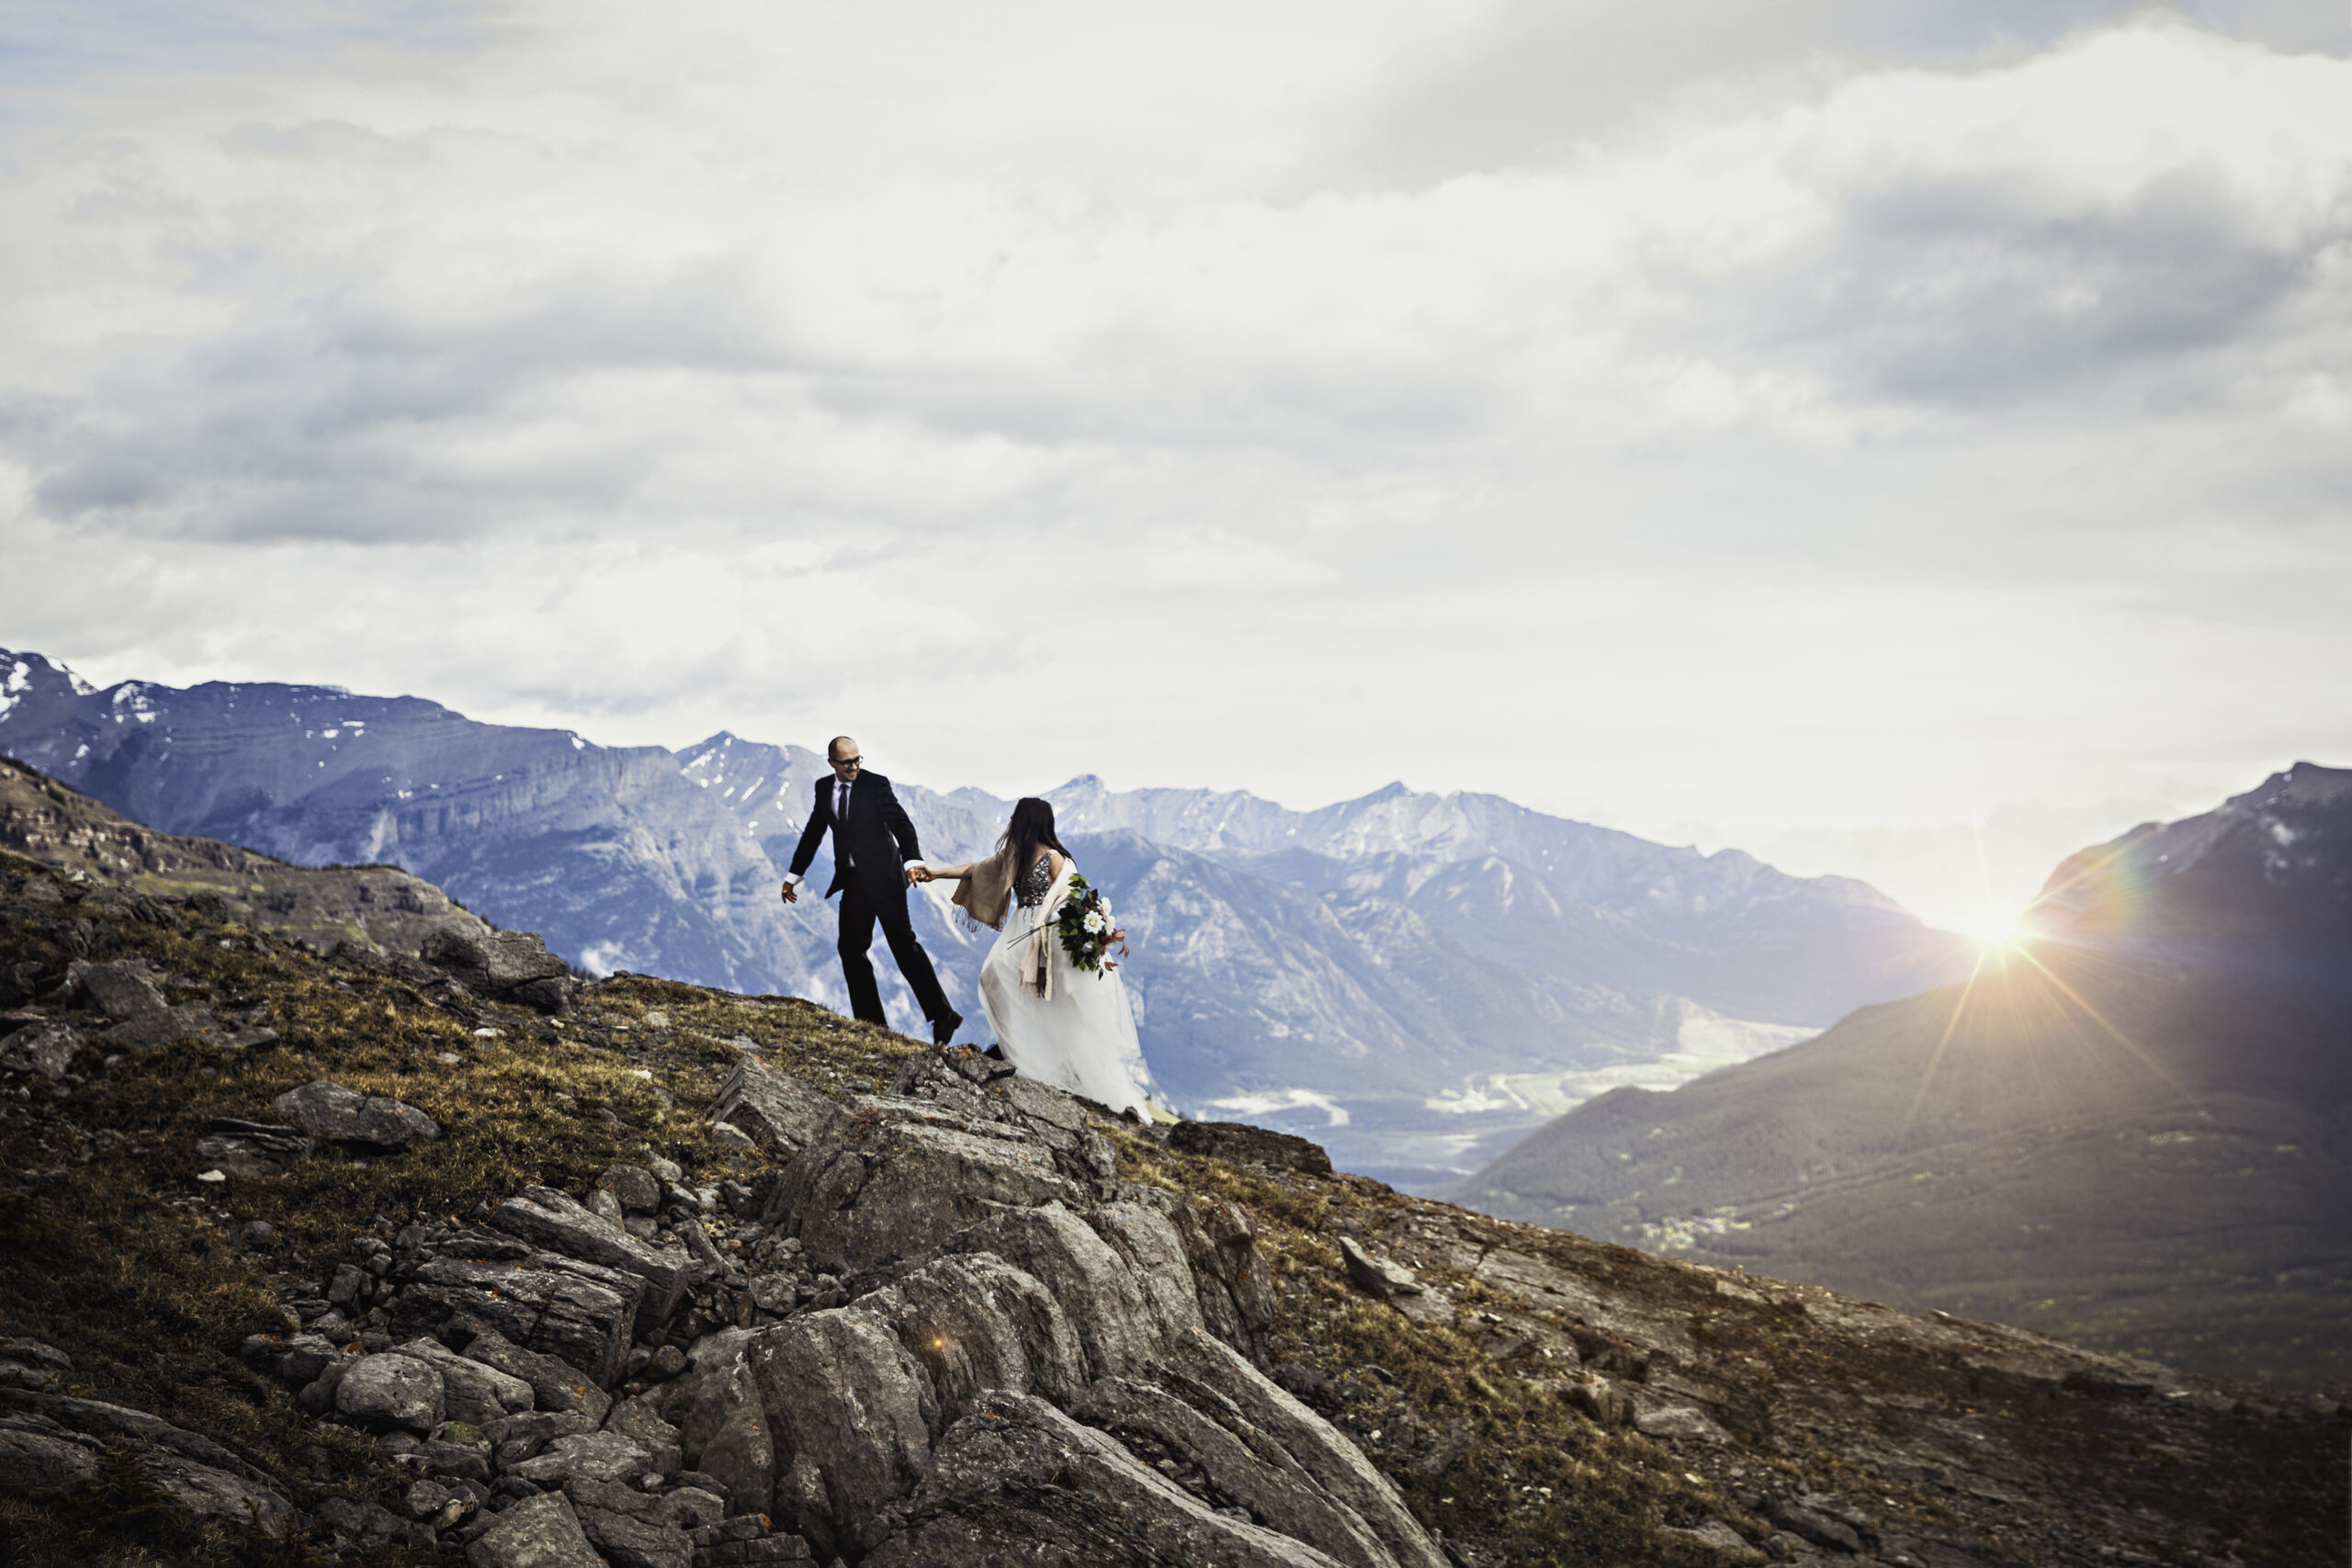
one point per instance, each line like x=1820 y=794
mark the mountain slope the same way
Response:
x=889 y=1314
x=2134 y=1128
x=612 y=855
x=1497 y=964
x=1564 y=899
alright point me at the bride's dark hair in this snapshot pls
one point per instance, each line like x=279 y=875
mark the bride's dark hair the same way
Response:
x=1031 y=830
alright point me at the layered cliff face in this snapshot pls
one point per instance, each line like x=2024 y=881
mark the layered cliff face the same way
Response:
x=681 y=1278
x=2132 y=1127
x=1413 y=978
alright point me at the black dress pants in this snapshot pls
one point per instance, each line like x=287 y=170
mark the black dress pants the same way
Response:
x=858 y=914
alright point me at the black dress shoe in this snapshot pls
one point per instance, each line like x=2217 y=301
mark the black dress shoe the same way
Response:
x=994 y=1053
x=943 y=1030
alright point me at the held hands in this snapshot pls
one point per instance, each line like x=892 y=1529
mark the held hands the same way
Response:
x=918 y=874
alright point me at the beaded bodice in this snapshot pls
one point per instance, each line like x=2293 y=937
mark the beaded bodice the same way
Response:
x=1035 y=883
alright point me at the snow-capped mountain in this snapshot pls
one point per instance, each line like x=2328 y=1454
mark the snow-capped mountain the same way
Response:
x=1413 y=979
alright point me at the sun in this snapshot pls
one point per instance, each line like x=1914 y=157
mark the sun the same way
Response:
x=1992 y=933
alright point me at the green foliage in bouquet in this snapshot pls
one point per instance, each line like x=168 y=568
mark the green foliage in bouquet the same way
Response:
x=1088 y=934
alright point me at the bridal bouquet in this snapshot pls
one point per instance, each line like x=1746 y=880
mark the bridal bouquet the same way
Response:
x=1085 y=928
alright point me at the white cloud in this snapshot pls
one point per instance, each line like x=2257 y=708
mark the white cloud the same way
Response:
x=1877 y=430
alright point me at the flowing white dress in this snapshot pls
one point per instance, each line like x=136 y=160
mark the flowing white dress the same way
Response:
x=1082 y=1038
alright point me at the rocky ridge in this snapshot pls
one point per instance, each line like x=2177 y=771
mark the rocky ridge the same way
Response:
x=1402 y=975
x=681 y=1278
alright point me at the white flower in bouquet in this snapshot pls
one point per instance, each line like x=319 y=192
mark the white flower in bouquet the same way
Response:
x=1094 y=922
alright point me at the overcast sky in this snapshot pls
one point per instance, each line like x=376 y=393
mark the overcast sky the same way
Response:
x=1906 y=440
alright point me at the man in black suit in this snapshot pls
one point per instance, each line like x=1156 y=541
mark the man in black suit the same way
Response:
x=874 y=849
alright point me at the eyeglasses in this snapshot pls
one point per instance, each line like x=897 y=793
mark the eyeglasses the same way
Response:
x=848 y=762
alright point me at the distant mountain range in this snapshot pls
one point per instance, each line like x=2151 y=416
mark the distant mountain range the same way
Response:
x=1412 y=979
x=2133 y=1129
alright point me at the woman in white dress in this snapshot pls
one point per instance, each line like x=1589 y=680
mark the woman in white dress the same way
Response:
x=1054 y=1021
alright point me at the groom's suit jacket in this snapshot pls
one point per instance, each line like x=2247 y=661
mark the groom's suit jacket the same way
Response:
x=873 y=845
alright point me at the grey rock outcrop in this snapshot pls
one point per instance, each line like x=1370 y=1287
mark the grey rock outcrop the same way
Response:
x=123 y=989
x=471 y=1391
x=51 y=1440
x=1245 y=1145
x=341 y=1115
x=537 y=1532
x=637 y=1189
x=965 y=1334
x=47 y=1048
x=33 y=1459
x=514 y=965
x=772 y=1107
x=251 y=1149
x=1025 y=1313
x=1020 y=1470
x=722 y=1425
x=547 y=1218
x=578 y=1312
x=393 y=1391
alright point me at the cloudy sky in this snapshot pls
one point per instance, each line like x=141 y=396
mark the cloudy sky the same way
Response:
x=1903 y=439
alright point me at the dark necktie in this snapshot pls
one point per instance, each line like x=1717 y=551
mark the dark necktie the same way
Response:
x=840 y=820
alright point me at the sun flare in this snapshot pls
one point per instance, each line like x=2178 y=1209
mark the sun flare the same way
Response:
x=1992 y=933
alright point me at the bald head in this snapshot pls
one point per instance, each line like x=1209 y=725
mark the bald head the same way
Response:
x=842 y=753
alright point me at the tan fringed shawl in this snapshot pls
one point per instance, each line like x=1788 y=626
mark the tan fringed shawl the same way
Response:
x=984 y=895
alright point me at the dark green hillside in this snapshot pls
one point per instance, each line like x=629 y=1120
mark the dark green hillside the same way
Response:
x=2134 y=1131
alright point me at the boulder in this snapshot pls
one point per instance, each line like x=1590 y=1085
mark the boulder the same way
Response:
x=471 y=1392
x=1245 y=1145
x=1120 y=1328
x=1017 y=1469
x=579 y=1312
x=208 y=1492
x=593 y=1456
x=153 y=1030
x=774 y=1108
x=1334 y=1464
x=1815 y=1525
x=1234 y=1464
x=33 y=1459
x=637 y=1189
x=537 y=1532
x=344 y=1116
x=1680 y=1422
x=547 y=1218
x=45 y=1048
x=641 y=1424
x=122 y=989
x=514 y=965
x=391 y=1389
x=557 y=1385
x=722 y=1430
x=251 y=1149
x=851 y=1413
x=1376 y=1276
x=886 y=1189
x=975 y=1323
x=628 y=1541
